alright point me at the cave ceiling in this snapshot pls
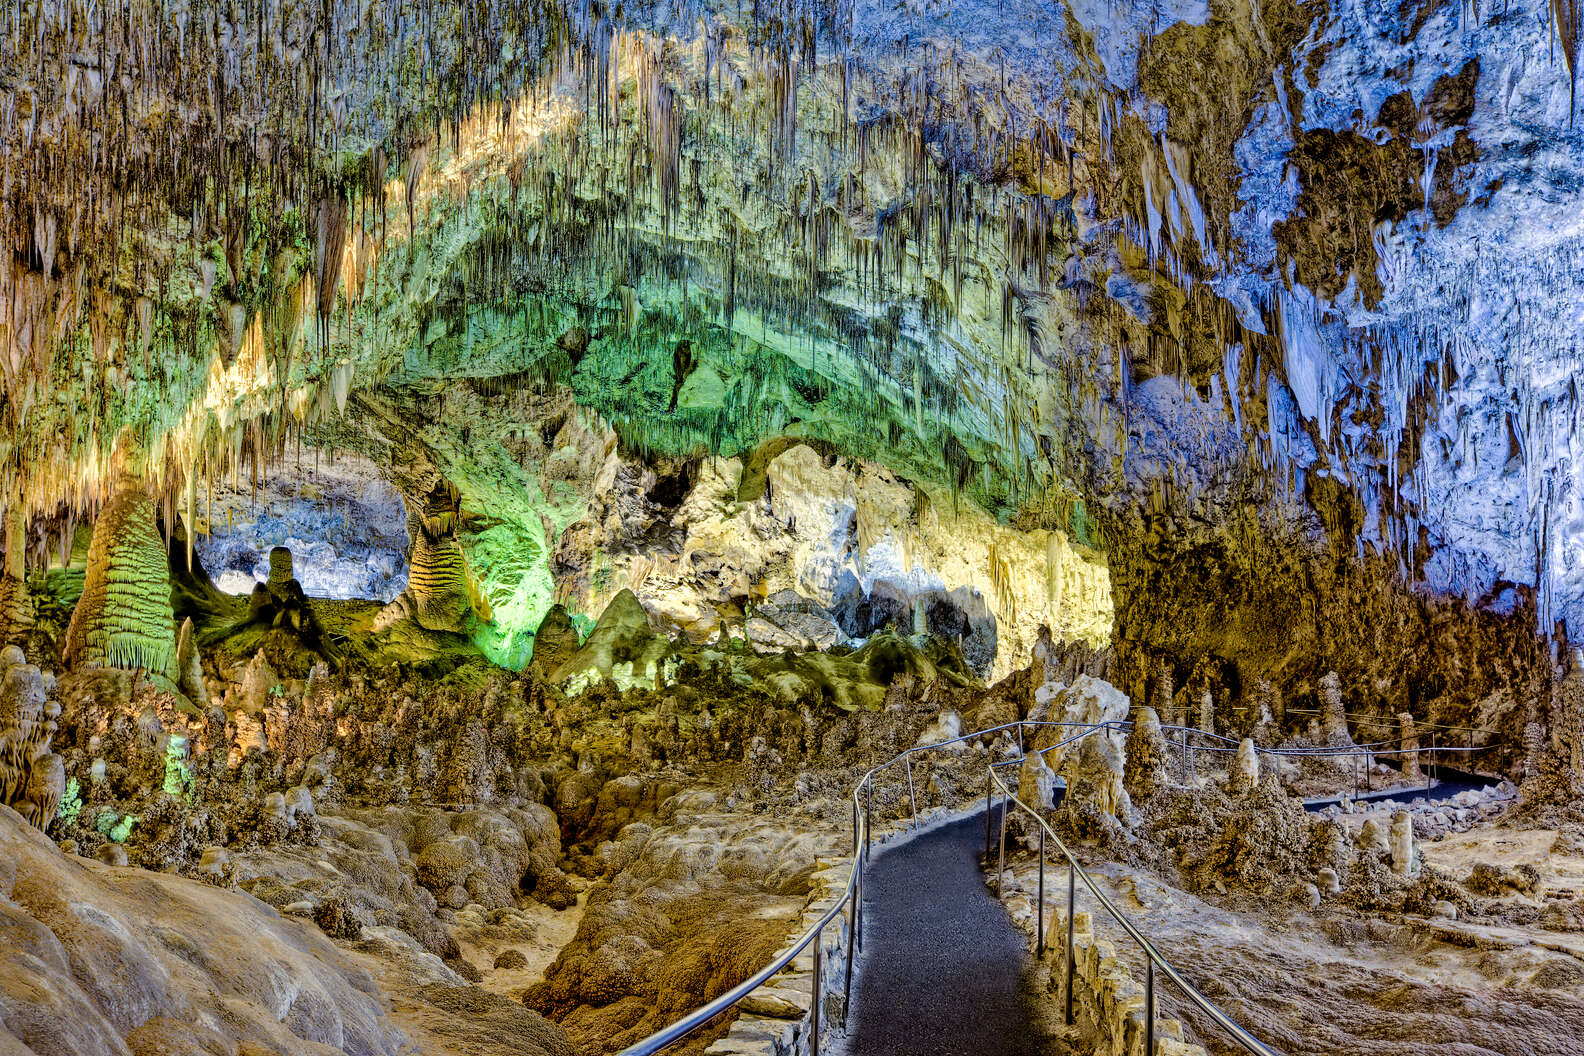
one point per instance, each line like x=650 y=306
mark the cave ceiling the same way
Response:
x=1127 y=270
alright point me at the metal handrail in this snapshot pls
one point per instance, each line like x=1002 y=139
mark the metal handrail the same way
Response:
x=1153 y=956
x=1373 y=748
x=1421 y=723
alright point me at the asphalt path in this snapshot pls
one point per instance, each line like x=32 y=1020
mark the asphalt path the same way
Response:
x=942 y=961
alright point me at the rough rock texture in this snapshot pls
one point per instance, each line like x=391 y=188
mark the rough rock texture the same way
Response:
x=795 y=549
x=692 y=905
x=114 y=961
x=32 y=777
x=124 y=616
x=1145 y=752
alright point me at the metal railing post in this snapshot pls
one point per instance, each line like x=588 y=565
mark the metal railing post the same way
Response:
x=858 y=887
x=1149 y=1006
x=1072 y=895
x=814 y=1007
x=912 y=796
x=852 y=943
x=1040 y=941
x=855 y=828
x=868 y=813
x=1001 y=859
x=989 y=810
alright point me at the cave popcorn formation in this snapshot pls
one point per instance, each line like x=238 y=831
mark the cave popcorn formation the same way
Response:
x=486 y=480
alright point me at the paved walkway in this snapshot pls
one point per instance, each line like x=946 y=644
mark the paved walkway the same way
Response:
x=942 y=962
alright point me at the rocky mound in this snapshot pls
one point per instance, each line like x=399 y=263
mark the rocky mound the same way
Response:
x=114 y=961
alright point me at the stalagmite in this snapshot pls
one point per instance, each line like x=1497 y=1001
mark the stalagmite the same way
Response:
x=281 y=571
x=1410 y=748
x=1245 y=767
x=441 y=593
x=1373 y=838
x=189 y=667
x=1207 y=712
x=1145 y=771
x=1333 y=719
x=16 y=606
x=32 y=777
x=124 y=617
x=1268 y=718
x=1404 y=856
x=1164 y=694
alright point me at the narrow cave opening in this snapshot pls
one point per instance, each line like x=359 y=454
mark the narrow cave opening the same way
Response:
x=344 y=523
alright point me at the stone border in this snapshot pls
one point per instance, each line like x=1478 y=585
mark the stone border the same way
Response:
x=1108 y=1003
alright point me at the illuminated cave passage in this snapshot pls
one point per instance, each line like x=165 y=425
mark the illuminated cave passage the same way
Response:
x=345 y=525
x=484 y=482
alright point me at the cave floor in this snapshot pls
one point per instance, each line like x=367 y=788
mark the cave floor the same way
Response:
x=1339 y=983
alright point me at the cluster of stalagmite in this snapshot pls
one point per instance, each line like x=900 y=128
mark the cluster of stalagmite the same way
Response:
x=281 y=601
x=124 y=617
x=32 y=777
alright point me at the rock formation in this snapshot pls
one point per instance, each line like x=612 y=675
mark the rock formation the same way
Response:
x=16 y=606
x=1409 y=743
x=32 y=778
x=1404 y=858
x=1146 y=755
x=124 y=617
x=441 y=594
x=1333 y=716
x=1244 y=773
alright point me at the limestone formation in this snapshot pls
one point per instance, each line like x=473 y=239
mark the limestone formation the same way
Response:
x=281 y=571
x=124 y=618
x=442 y=593
x=189 y=667
x=1333 y=717
x=1271 y=710
x=1036 y=782
x=842 y=361
x=1409 y=743
x=1094 y=776
x=1245 y=770
x=32 y=777
x=1403 y=854
x=1146 y=755
x=1373 y=837
x=1163 y=694
x=16 y=605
